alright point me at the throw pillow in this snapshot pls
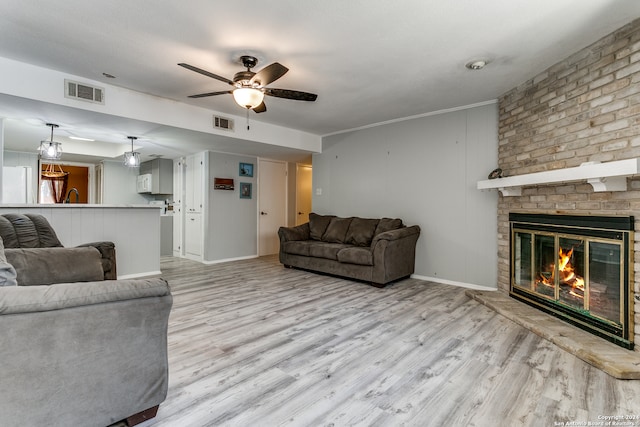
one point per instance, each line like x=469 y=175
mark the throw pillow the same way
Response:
x=361 y=231
x=337 y=230
x=388 y=224
x=318 y=225
x=7 y=272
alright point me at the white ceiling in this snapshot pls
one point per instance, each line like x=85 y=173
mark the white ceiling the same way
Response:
x=369 y=61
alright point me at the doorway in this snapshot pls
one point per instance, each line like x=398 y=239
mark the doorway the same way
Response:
x=272 y=204
x=303 y=193
x=60 y=183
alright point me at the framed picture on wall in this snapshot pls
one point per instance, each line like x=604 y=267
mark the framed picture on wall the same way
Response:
x=246 y=169
x=245 y=190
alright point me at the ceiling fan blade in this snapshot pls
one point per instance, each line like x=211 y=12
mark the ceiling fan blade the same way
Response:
x=291 y=94
x=269 y=74
x=260 y=108
x=205 y=73
x=202 y=95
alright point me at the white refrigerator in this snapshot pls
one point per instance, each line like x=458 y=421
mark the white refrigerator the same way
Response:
x=17 y=184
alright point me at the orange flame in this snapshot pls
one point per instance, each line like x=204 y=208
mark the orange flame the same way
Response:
x=567 y=274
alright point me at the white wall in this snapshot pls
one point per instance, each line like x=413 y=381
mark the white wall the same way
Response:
x=232 y=221
x=423 y=170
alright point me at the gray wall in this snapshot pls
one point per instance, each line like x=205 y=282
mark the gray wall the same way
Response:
x=232 y=221
x=119 y=185
x=423 y=170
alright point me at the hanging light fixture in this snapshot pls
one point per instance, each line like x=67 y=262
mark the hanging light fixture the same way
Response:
x=50 y=149
x=248 y=97
x=132 y=158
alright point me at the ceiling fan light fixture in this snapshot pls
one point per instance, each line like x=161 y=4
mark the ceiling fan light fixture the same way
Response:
x=132 y=158
x=50 y=149
x=248 y=97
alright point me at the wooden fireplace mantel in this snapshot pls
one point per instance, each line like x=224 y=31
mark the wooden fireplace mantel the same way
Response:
x=609 y=176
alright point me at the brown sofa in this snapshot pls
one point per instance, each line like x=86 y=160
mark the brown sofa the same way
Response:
x=378 y=251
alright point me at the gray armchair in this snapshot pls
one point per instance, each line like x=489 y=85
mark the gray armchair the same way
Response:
x=32 y=231
x=77 y=350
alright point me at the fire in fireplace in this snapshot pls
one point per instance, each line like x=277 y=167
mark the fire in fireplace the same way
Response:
x=576 y=268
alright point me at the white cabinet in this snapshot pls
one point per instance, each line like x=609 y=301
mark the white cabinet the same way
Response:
x=178 y=203
x=194 y=207
x=143 y=183
x=193 y=237
x=194 y=185
x=160 y=172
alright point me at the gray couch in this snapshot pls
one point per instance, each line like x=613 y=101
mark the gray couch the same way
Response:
x=78 y=349
x=378 y=251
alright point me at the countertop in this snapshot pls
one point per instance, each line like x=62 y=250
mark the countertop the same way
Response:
x=76 y=205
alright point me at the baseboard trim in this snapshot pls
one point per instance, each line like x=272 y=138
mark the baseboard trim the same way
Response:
x=219 y=261
x=139 y=275
x=454 y=283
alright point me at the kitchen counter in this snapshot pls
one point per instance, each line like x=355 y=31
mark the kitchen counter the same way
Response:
x=74 y=205
x=134 y=229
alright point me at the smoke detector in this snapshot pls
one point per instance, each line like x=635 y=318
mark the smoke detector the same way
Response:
x=477 y=64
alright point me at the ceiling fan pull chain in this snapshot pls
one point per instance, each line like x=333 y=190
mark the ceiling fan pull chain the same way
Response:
x=247 y=119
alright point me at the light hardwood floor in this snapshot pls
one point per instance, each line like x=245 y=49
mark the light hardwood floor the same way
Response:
x=254 y=344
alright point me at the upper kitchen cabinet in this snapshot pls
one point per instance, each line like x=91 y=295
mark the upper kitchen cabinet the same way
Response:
x=160 y=174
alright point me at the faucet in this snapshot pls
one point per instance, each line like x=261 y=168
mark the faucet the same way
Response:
x=73 y=190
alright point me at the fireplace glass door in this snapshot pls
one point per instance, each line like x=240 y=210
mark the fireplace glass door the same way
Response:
x=577 y=273
x=581 y=273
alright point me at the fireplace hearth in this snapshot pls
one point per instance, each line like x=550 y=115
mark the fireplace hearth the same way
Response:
x=576 y=268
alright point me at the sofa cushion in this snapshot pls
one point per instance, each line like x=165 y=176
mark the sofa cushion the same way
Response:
x=337 y=230
x=297 y=247
x=361 y=231
x=318 y=225
x=7 y=272
x=356 y=255
x=326 y=250
x=388 y=224
x=46 y=266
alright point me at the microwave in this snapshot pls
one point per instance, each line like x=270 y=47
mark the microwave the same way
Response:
x=144 y=183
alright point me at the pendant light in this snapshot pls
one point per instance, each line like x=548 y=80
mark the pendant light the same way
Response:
x=132 y=158
x=50 y=149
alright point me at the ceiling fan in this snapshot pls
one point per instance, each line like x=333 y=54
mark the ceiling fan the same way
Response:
x=250 y=87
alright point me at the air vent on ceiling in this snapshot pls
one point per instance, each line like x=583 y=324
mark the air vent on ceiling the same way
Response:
x=83 y=92
x=222 y=123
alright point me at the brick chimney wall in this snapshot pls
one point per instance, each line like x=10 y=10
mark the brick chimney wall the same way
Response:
x=584 y=108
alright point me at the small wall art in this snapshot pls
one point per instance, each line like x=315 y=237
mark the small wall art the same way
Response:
x=246 y=169
x=223 y=184
x=245 y=190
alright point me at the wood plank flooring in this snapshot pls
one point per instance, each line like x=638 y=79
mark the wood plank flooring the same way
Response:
x=254 y=344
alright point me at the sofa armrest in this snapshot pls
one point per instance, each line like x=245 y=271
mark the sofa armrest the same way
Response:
x=31 y=299
x=394 y=254
x=299 y=232
x=397 y=234
x=108 y=252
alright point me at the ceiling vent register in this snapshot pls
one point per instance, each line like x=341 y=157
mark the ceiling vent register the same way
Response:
x=222 y=123
x=83 y=92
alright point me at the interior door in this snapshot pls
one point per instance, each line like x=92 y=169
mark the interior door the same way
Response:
x=303 y=193
x=272 y=204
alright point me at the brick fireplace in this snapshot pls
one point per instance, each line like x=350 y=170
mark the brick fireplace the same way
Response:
x=585 y=108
